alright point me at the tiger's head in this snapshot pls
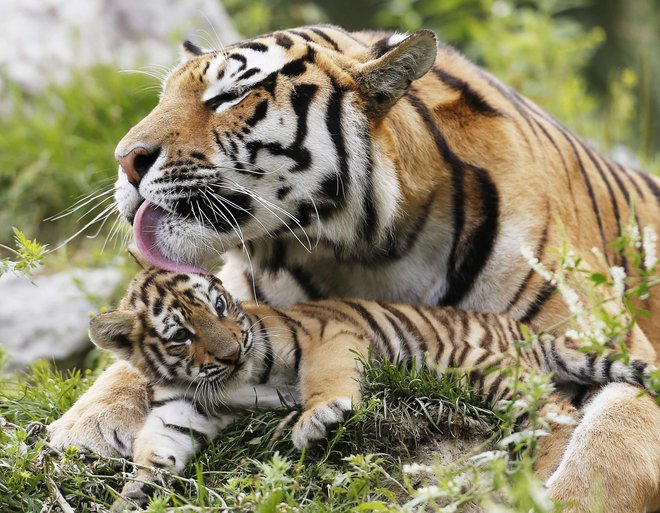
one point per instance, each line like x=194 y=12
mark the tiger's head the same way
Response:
x=181 y=330
x=266 y=138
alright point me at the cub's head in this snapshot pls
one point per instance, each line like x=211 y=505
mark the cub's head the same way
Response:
x=179 y=329
x=269 y=137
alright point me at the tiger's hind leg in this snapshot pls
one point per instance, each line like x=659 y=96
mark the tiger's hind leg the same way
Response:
x=612 y=461
x=330 y=385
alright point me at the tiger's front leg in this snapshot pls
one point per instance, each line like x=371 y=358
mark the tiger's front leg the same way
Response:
x=108 y=416
x=330 y=384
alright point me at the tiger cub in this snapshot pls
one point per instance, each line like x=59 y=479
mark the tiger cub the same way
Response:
x=205 y=354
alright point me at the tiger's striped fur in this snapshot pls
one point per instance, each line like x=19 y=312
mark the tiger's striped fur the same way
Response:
x=201 y=350
x=410 y=175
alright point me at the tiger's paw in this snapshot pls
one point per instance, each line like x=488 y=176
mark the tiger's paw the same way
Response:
x=108 y=416
x=315 y=422
x=106 y=431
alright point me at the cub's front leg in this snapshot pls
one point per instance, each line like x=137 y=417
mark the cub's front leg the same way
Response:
x=330 y=384
x=108 y=416
x=174 y=431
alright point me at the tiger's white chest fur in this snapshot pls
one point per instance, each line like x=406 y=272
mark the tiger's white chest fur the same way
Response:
x=296 y=275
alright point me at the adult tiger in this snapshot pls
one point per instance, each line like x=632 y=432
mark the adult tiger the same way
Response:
x=325 y=163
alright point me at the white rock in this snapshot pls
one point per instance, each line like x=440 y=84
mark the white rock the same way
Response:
x=49 y=317
x=42 y=40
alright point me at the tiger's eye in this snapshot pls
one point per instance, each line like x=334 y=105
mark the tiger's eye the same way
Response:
x=220 y=306
x=181 y=335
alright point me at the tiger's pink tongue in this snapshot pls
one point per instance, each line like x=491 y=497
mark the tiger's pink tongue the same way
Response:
x=145 y=226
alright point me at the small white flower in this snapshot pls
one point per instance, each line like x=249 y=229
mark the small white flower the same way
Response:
x=487 y=456
x=430 y=492
x=618 y=274
x=416 y=468
x=519 y=436
x=563 y=420
x=649 y=244
x=632 y=233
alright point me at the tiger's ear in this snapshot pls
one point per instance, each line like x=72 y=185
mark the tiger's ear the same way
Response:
x=139 y=258
x=398 y=60
x=189 y=51
x=111 y=331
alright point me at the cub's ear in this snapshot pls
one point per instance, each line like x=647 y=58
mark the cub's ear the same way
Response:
x=398 y=60
x=111 y=331
x=139 y=258
x=190 y=50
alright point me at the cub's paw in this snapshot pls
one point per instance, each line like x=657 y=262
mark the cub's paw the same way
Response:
x=136 y=493
x=104 y=430
x=315 y=422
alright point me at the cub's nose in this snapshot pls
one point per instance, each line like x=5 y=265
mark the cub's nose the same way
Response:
x=231 y=359
x=137 y=162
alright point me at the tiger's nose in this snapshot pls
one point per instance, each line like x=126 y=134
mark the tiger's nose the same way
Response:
x=137 y=162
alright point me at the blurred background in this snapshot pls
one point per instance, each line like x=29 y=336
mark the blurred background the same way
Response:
x=67 y=95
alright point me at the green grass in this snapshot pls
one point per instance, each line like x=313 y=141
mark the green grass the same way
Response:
x=252 y=465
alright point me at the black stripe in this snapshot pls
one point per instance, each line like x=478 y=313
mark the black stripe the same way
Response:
x=326 y=37
x=599 y=168
x=192 y=48
x=617 y=179
x=337 y=185
x=369 y=227
x=249 y=73
x=461 y=276
x=651 y=184
x=304 y=281
x=607 y=368
x=152 y=353
x=298 y=66
x=405 y=353
x=373 y=326
x=259 y=113
x=301 y=34
x=627 y=173
x=569 y=179
x=506 y=93
x=494 y=388
x=422 y=313
x=540 y=250
x=590 y=192
x=293 y=326
x=196 y=406
x=268 y=357
x=472 y=99
x=559 y=362
x=535 y=306
x=283 y=40
x=240 y=58
x=198 y=436
x=253 y=45
x=409 y=325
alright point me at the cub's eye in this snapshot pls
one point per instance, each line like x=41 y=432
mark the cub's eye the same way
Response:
x=181 y=335
x=220 y=306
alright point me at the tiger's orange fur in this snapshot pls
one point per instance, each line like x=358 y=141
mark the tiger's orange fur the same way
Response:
x=416 y=176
